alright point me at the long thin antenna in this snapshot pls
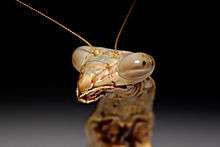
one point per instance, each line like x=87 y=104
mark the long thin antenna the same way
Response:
x=94 y=50
x=124 y=22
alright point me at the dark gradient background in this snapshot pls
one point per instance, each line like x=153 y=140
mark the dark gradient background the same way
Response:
x=37 y=95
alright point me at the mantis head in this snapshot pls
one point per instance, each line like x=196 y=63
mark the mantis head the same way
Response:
x=109 y=71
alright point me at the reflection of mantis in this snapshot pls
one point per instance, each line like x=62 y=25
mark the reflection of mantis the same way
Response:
x=122 y=82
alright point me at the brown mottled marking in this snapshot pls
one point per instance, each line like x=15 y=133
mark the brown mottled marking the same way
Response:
x=123 y=121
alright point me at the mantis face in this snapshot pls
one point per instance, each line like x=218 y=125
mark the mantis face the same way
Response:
x=101 y=69
x=110 y=70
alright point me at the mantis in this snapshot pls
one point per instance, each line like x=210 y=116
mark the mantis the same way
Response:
x=120 y=81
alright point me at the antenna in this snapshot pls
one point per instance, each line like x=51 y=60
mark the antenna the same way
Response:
x=94 y=50
x=123 y=24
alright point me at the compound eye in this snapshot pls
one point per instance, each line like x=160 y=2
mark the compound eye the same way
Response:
x=136 y=66
x=80 y=55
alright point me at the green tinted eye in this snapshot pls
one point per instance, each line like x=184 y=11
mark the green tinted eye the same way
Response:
x=136 y=66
